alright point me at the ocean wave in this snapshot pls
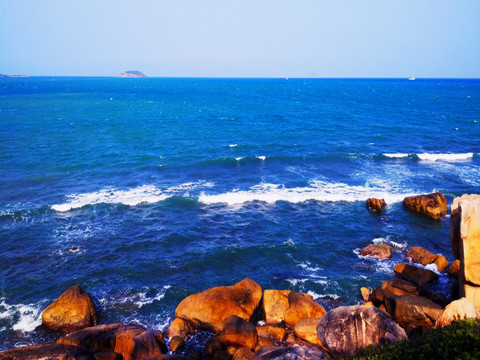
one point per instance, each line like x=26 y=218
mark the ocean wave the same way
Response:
x=24 y=318
x=138 y=299
x=317 y=190
x=432 y=157
x=147 y=194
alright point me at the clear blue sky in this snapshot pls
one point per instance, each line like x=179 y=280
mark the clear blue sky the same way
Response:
x=320 y=38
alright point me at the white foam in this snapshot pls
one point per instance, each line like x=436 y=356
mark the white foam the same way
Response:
x=239 y=158
x=132 y=197
x=396 y=155
x=143 y=299
x=232 y=145
x=427 y=157
x=26 y=318
x=388 y=240
x=317 y=190
x=263 y=158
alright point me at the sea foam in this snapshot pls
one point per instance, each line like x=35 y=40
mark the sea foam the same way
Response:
x=317 y=190
x=24 y=318
x=432 y=157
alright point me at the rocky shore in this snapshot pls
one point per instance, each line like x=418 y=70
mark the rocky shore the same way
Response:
x=243 y=321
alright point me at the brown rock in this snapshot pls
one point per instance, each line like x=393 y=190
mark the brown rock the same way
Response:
x=413 y=311
x=441 y=262
x=365 y=294
x=376 y=204
x=454 y=269
x=243 y=353
x=210 y=309
x=239 y=332
x=302 y=306
x=431 y=205
x=419 y=276
x=347 y=329
x=73 y=310
x=289 y=353
x=422 y=256
x=212 y=346
x=368 y=303
x=263 y=341
x=458 y=310
x=274 y=304
x=401 y=287
x=143 y=346
x=176 y=343
x=306 y=329
x=47 y=352
x=277 y=334
x=377 y=251
x=179 y=327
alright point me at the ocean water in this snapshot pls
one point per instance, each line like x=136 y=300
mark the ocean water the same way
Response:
x=144 y=191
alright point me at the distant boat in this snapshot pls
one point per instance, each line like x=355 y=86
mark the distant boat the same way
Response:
x=411 y=78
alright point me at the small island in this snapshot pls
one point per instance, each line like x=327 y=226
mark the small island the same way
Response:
x=132 y=74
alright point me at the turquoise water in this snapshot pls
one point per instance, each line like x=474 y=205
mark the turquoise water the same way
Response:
x=144 y=191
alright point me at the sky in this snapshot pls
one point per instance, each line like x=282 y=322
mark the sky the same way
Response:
x=248 y=38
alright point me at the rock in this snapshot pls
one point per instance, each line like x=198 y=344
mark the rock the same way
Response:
x=176 y=343
x=376 y=205
x=179 y=327
x=431 y=205
x=454 y=269
x=50 y=351
x=377 y=251
x=413 y=311
x=210 y=309
x=302 y=306
x=422 y=256
x=277 y=334
x=458 y=310
x=419 y=276
x=289 y=353
x=144 y=346
x=346 y=330
x=368 y=303
x=263 y=341
x=465 y=239
x=306 y=329
x=365 y=294
x=213 y=346
x=401 y=287
x=243 y=353
x=239 y=332
x=274 y=304
x=73 y=310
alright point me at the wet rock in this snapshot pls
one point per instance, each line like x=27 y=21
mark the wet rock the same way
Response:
x=179 y=327
x=346 y=330
x=376 y=205
x=413 y=311
x=458 y=310
x=289 y=353
x=50 y=351
x=454 y=269
x=239 y=332
x=302 y=306
x=210 y=309
x=418 y=276
x=176 y=343
x=73 y=310
x=422 y=256
x=306 y=329
x=274 y=333
x=274 y=304
x=377 y=251
x=431 y=205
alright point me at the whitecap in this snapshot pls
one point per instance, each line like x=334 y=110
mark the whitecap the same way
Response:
x=263 y=158
x=430 y=157
x=25 y=318
x=232 y=145
x=396 y=155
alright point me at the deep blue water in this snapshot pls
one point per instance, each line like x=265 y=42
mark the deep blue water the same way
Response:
x=143 y=191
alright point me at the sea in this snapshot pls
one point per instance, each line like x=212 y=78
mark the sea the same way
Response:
x=146 y=190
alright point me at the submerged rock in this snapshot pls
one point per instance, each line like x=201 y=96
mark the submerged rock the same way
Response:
x=377 y=251
x=73 y=310
x=346 y=330
x=211 y=309
x=432 y=205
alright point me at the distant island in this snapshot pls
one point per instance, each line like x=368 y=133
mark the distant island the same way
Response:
x=132 y=74
x=3 y=75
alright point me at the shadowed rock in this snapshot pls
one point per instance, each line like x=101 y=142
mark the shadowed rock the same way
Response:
x=239 y=332
x=47 y=352
x=411 y=273
x=289 y=353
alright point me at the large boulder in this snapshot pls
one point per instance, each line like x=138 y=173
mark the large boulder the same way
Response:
x=129 y=341
x=431 y=205
x=376 y=205
x=239 y=333
x=73 y=310
x=302 y=306
x=211 y=309
x=422 y=256
x=411 y=273
x=458 y=310
x=47 y=352
x=345 y=330
x=289 y=353
x=274 y=304
x=413 y=311
x=465 y=239
x=377 y=251
x=306 y=329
